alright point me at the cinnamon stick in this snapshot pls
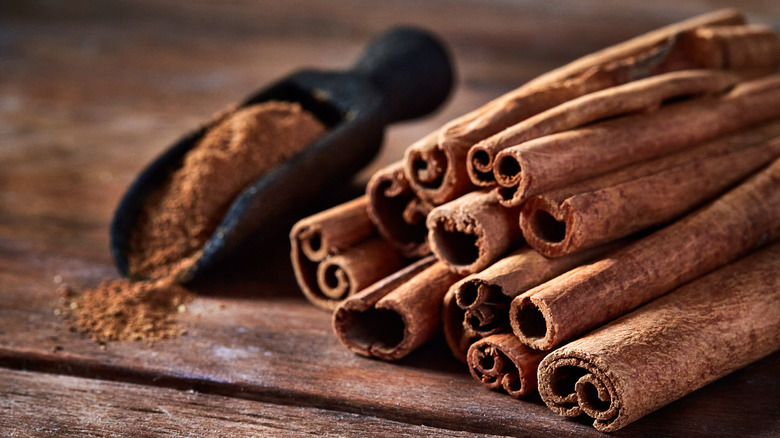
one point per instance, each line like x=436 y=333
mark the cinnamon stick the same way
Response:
x=458 y=337
x=357 y=267
x=501 y=361
x=312 y=239
x=399 y=215
x=670 y=347
x=564 y=158
x=603 y=209
x=436 y=165
x=484 y=297
x=473 y=231
x=642 y=95
x=593 y=294
x=390 y=322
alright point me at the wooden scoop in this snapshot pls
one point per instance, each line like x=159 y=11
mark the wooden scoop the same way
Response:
x=404 y=73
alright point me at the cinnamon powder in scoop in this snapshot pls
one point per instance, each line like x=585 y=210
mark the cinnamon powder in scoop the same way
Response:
x=181 y=216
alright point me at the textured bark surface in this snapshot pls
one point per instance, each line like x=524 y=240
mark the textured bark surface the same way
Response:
x=399 y=215
x=631 y=199
x=396 y=315
x=345 y=273
x=501 y=361
x=473 y=231
x=436 y=167
x=641 y=95
x=561 y=159
x=458 y=337
x=670 y=347
x=329 y=232
x=484 y=297
x=595 y=293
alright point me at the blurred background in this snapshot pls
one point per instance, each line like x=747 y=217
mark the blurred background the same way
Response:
x=92 y=90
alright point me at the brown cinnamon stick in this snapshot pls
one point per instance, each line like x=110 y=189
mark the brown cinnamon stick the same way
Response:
x=357 y=267
x=603 y=209
x=473 y=231
x=399 y=215
x=588 y=296
x=642 y=95
x=314 y=238
x=564 y=158
x=484 y=297
x=436 y=165
x=390 y=322
x=501 y=361
x=458 y=338
x=670 y=347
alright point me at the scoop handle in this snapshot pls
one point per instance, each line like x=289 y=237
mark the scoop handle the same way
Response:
x=411 y=68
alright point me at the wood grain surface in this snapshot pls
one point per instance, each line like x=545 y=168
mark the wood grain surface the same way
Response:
x=91 y=91
x=66 y=406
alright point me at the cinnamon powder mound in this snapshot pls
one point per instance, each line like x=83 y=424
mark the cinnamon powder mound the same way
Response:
x=121 y=310
x=181 y=216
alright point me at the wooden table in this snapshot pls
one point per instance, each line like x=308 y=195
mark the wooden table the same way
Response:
x=91 y=91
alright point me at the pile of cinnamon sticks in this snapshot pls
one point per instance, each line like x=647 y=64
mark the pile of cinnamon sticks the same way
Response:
x=603 y=234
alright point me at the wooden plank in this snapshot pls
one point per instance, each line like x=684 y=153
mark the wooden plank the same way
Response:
x=91 y=91
x=37 y=404
x=260 y=340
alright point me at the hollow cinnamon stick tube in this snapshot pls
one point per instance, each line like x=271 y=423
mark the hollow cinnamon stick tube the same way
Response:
x=484 y=297
x=313 y=238
x=389 y=323
x=617 y=204
x=642 y=95
x=670 y=347
x=357 y=267
x=473 y=231
x=458 y=337
x=399 y=215
x=501 y=361
x=595 y=293
x=436 y=165
x=738 y=47
x=564 y=158
x=333 y=230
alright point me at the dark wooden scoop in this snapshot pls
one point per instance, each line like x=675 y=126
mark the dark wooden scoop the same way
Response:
x=404 y=73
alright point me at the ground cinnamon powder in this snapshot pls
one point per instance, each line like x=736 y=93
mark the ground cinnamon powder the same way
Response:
x=181 y=216
x=123 y=310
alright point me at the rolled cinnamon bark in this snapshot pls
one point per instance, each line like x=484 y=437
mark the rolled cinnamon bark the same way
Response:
x=331 y=231
x=642 y=95
x=458 y=338
x=501 y=361
x=357 y=267
x=436 y=165
x=564 y=158
x=389 y=323
x=670 y=347
x=399 y=215
x=588 y=296
x=473 y=231
x=484 y=297
x=751 y=48
x=606 y=208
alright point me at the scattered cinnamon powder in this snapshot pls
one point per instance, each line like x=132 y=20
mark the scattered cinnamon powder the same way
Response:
x=181 y=216
x=122 y=310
